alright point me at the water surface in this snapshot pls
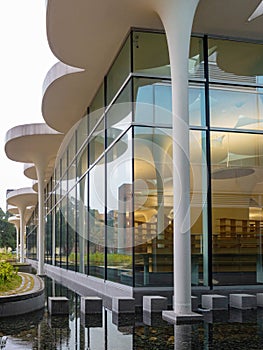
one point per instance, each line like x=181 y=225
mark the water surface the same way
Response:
x=233 y=329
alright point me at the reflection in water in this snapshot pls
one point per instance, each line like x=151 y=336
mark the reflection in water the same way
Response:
x=233 y=329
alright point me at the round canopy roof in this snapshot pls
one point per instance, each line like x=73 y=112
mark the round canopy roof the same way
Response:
x=32 y=143
x=22 y=198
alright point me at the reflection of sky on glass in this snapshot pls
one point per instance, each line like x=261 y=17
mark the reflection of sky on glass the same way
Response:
x=235 y=109
x=151 y=103
x=160 y=95
x=196 y=105
x=260 y=80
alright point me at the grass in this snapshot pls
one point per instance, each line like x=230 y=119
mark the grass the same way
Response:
x=10 y=281
x=98 y=258
x=13 y=283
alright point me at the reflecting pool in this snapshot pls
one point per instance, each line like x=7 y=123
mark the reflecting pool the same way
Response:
x=233 y=329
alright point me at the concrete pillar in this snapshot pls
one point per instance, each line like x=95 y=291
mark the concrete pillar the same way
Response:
x=40 y=169
x=182 y=336
x=21 y=199
x=177 y=17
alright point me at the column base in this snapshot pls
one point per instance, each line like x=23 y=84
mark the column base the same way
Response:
x=174 y=318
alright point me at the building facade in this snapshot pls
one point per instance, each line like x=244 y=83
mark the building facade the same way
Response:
x=110 y=207
x=109 y=202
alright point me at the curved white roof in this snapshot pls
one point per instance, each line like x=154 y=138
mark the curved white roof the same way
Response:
x=87 y=34
x=22 y=197
x=31 y=142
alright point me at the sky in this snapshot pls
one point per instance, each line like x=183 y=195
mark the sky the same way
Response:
x=25 y=60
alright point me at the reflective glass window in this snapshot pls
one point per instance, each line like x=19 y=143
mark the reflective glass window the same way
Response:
x=235 y=61
x=82 y=225
x=119 y=71
x=119 y=116
x=48 y=238
x=72 y=147
x=153 y=101
x=197 y=115
x=82 y=132
x=97 y=142
x=96 y=220
x=198 y=205
x=153 y=205
x=96 y=109
x=196 y=59
x=233 y=107
x=119 y=217
x=150 y=54
x=57 y=235
x=63 y=233
x=72 y=246
x=82 y=162
x=237 y=207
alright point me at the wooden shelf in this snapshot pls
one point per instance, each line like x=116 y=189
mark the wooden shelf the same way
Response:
x=237 y=235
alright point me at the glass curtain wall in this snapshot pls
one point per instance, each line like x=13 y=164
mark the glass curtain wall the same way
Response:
x=71 y=239
x=48 y=223
x=96 y=219
x=31 y=237
x=119 y=215
x=235 y=73
x=153 y=206
x=82 y=203
x=118 y=197
x=110 y=232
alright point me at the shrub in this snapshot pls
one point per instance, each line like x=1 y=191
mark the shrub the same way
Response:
x=5 y=256
x=7 y=272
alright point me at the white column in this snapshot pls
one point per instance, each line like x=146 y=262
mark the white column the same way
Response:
x=182 y=335
x=40 y=168
x=177 y=17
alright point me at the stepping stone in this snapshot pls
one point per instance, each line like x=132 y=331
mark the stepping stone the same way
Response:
x=243 y=301
x=154 y=303
x=260 y=299
x=214 y=302
x=58 y=305
x=91 y=305
x=123 y=304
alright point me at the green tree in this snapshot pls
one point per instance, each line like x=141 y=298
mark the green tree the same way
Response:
x=7 y=231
